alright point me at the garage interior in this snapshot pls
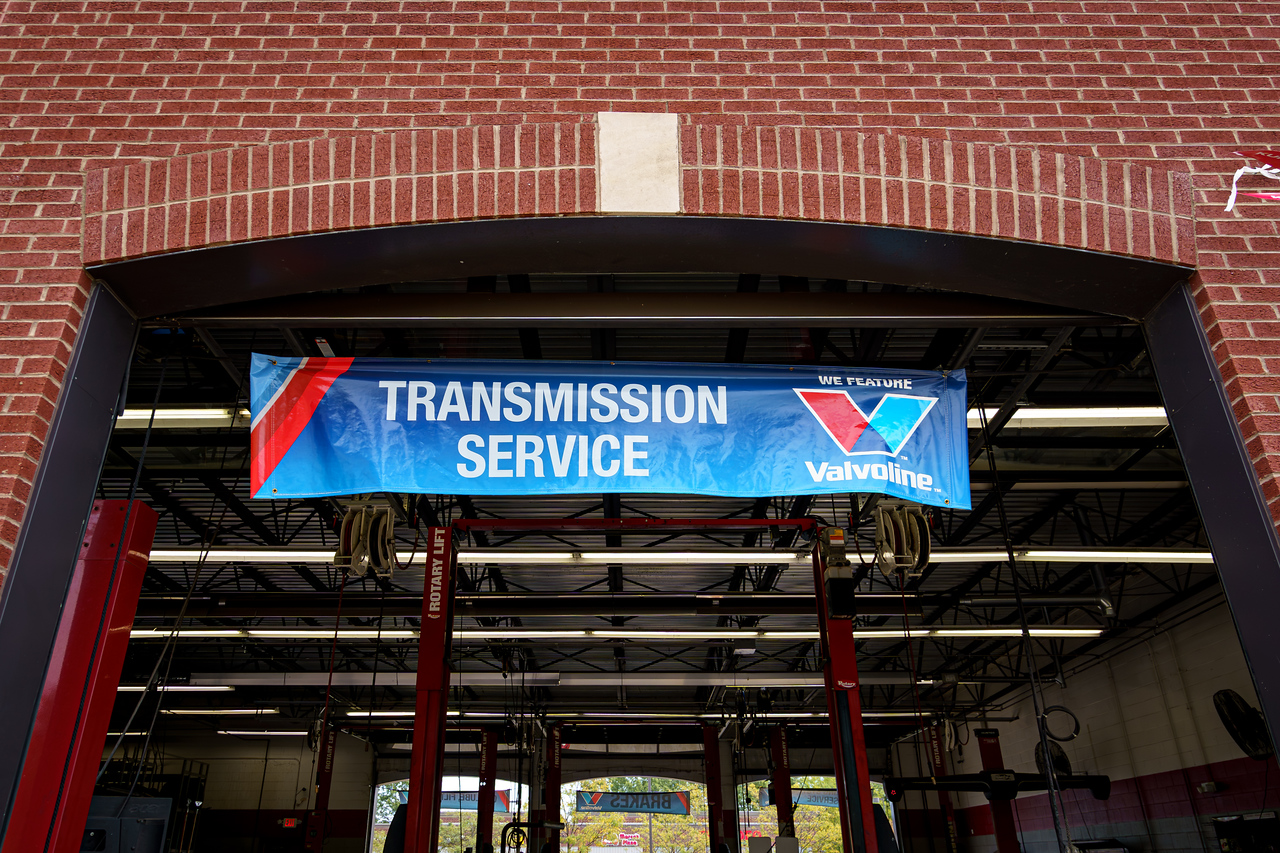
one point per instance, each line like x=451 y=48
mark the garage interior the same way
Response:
x=635 y=660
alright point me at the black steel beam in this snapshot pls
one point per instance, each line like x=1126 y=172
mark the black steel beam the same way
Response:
x=614 y=310
x=736 y=350
x=228 y=497
x=594 y=245
x=1225 y=485
x=530 y=342
x=489 y=606
x=1006 y=411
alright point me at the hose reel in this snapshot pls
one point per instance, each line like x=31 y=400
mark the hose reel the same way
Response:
x=902 y=539
x=366 y=541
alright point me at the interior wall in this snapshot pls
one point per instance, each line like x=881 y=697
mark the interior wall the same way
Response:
x=254 y=784
x=1147 y=720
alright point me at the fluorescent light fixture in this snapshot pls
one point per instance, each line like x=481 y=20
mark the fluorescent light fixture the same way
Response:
x=277 y=633
x=219 y=712
x=624 y=715
x=175 y=688
x=1045 y=555
x=771 y=715
x=975 y=556
x=343 y=633
x=495 y=678
x=719 y=557
x=408 y=713
x=716 y=557
x=193 y=633
x=1048 y=631
x=1031 y=417
x=1071 y=555
x=1061 y=633
x=178 y=418
x=676 y=635
x=126 y=734
x=485 y=635
x=518 y=634
x=260 y=734
x=240 y=555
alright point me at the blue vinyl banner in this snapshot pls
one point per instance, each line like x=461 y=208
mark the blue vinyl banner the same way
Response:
x=823 y=797
x=469 y=801
x=656 y=802
x=341 y=426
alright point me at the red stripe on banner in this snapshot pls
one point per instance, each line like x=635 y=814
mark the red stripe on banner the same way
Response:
x=1267 y=196
x=280 y=426
x=838 y=414
x=1267 y=158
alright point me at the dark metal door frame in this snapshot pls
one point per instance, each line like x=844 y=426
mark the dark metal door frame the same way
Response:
x=1224 y=484
x=48 y=544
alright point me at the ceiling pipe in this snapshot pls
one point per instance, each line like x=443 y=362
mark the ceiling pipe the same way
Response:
x=782 y=680
x=368 y=605
x=1037 y=601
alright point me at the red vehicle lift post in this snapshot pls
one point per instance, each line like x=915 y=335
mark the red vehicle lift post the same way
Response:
x=844 y=708
x=426 y=767
x=51 y=804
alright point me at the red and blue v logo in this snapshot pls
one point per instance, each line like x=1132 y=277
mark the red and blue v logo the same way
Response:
x=279 y=422
x=883 y=432
x=595 y=798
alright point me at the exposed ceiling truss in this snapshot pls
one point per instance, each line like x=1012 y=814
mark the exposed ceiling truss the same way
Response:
x=1094 y=486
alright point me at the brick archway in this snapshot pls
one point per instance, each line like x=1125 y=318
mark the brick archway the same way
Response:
x=541 y=170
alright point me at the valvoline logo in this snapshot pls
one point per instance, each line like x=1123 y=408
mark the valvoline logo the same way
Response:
x=883 y=432
x=595 y=798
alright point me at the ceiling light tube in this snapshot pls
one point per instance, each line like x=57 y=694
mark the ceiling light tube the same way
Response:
x=518 y=634
x=240 y=555
x=219 y=712
x=677 y=635
x=716 y=557
x=1032 y=417
x=380 y=713
x=192 y=418
x=495 y=678
x=260 y=734
x=1049 y=555
x=175 y=688
x=487 y=635
x=194 y=633
x=720 y=557
x=342 y=633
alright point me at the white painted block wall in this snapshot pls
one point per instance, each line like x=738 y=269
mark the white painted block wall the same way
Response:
x=1147 y=710
x=237 y=778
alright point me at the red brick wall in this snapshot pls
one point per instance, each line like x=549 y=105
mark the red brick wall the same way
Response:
x=93 y=85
